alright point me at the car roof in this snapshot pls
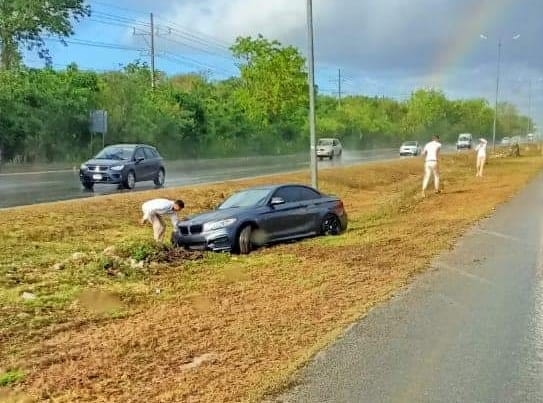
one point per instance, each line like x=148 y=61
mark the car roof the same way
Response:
x=130 y=145
x=274 y=187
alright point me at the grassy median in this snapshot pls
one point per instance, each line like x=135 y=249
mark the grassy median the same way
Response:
x=91 y=310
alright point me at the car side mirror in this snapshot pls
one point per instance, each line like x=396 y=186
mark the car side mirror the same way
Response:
x=276 y=201
x=139 y=159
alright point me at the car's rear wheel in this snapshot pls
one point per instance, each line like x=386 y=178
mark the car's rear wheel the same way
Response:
x=160 y=177
x=130 y=180
x=243 y=242
x=88 y=185
x=331 y=225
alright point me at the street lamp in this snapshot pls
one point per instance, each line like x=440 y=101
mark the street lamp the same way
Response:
x=514 y=37
x=311 y=83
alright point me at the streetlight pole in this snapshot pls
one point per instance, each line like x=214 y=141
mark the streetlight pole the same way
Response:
x=311 y=83
x=496 y=99
x=515 y=37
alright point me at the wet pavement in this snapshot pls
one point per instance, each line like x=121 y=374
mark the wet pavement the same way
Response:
x=31 y=187
x=470 y=330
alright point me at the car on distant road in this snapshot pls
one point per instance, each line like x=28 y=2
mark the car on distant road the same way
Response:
x=262 y=215
x=329 y=148
x=410 y=148
x=465 y=141
x=123 y=164
x=506 y=141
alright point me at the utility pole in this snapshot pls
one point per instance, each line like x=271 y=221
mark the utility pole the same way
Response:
x=496 y=99
x=153 y=76
x=529 y=106
x=151 y=43
x=339 y=87
x=339 y=81
x=311 y=82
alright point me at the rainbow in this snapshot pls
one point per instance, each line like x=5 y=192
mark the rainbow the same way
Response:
x=482 y=16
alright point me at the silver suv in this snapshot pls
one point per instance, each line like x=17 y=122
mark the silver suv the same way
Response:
x=329 y=148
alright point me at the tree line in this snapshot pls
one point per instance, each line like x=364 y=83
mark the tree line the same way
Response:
x=44 y=113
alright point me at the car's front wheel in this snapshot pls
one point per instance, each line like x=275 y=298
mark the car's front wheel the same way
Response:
x=243 y=242
x=331 y=225
x=130 y=180
x=160 y=177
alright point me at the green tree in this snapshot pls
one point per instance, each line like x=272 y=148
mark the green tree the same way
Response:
x=273 y=87
x=26 y=22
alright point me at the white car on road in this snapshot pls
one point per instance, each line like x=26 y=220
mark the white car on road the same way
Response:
x=329 y=148
x=410 y=148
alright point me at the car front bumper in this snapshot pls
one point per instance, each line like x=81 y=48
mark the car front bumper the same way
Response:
x=217 y=241
x=408 y=152
x=108 y=177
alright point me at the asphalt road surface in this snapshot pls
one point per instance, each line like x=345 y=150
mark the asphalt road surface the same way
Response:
x=23 y=188
x=470 y=330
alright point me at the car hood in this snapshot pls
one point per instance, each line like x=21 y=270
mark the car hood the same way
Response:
x=217 y=215
x=106 y=162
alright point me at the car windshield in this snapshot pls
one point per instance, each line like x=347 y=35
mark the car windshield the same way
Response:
x=247 y=198
x=464 y=138
x=325 y=142
x=115 y=153
x=410 y=143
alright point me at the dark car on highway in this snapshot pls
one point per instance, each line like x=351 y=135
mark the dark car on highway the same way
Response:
x=262 y=215
x=123 y=164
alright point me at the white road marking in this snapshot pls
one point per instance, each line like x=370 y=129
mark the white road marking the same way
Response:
x=464 y=273
x=500 y=235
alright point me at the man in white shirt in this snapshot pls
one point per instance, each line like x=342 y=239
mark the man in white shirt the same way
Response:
x=153 y=210
x=431 y=164
x=481 y=157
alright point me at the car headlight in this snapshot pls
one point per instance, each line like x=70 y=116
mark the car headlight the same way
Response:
x=214 y=225
x=83 y=167
x=117 y=167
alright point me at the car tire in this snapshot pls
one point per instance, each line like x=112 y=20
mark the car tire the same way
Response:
x=130 y=180
x=331 y=225
x=160 y=177
x=243 y=240
x=88 y=185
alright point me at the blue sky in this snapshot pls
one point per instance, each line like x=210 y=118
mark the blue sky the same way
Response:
x=383 y=47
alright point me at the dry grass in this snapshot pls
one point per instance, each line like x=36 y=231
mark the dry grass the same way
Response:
x=220 y=328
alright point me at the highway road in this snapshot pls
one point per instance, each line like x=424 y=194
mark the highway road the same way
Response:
x=470 y=330
x=31 y=187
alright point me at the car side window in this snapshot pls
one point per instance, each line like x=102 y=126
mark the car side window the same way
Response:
x=335 y=142
x=308 y=194
x=139 y=154
x=149 y=154
x=288 y=193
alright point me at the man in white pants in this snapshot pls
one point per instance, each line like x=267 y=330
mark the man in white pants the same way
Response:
x=153 y=210
x=431 y=164
x=481 y=157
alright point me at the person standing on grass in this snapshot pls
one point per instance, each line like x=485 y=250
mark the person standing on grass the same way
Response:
x=154 y=210
x=431 y=164
x=481 y=157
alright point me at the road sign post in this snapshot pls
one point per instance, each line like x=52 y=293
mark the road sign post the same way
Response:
x=98 y=124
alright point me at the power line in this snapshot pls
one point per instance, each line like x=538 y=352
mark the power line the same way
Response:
x=191 y=33
x=199 y=49
x=96 y=44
